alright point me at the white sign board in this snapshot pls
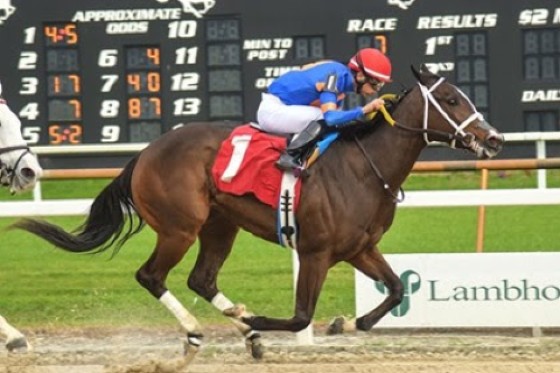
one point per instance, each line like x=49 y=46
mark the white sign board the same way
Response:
x=469 y=290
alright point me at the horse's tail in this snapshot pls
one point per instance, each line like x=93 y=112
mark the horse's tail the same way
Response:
x=111 y=211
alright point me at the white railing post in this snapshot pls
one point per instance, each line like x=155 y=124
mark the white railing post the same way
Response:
x=37 y=195
x=305 y=337
x=541 y=154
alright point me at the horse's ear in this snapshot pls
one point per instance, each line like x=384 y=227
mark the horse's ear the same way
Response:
x=425 y=71
x=415 y=72
x=424 y=75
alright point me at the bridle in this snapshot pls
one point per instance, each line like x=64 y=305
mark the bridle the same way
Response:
x=460 y=134
x=7 y=173
x=451 y=138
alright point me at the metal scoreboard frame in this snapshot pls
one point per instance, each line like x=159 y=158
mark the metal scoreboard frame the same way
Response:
x=121 y=71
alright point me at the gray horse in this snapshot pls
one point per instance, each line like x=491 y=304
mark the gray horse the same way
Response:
x=19 y=171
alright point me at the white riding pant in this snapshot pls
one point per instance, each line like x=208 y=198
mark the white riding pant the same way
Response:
x=276 y=117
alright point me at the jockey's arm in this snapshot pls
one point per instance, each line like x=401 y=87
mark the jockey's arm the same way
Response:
x=335 y=117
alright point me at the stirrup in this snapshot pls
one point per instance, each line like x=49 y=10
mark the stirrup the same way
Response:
x=287 y=162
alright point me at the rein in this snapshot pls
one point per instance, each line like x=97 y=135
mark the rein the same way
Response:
x=421 y=131
x=386 y=186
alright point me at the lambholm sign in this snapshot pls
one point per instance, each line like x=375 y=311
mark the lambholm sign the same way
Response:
x=470 y=290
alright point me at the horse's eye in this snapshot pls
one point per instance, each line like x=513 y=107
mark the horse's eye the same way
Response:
x=452 y=102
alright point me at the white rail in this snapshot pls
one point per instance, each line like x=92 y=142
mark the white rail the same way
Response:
x=539 y=138
x=136 y=147
x=433 y=198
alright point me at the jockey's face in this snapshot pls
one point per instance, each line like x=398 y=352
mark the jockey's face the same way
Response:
x=370 y=86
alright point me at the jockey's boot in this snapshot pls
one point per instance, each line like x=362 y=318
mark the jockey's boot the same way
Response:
x=288 y=161
x=292 y=158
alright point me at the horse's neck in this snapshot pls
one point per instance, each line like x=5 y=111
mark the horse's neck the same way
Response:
x=395 y=150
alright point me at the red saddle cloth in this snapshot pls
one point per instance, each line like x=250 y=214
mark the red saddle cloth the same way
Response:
x=250 y=155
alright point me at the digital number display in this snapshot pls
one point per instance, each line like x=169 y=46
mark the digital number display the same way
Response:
x=144 y=108
x=62 y=60
x=309 y=47
x=143 y=58
x=372 y=41
x=224 y=54
x=65 y=110
x=65 y=134
x=541 y=49
x=470 y=44
x=220 y=30
x=224 y=57
x=224 y=80
x=63 y=85
x=143 y=82
x=144 y=131
x=471 y=68
x=226 y=106
x=60 y=34
x=143 y=89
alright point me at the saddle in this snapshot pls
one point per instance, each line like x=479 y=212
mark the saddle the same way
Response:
x=245 y=164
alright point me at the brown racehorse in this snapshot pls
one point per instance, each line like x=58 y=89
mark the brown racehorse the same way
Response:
x=343 y=213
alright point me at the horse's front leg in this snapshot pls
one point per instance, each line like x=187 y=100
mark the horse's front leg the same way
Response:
x=15 y=340
x=312 y=273
x=372 y=264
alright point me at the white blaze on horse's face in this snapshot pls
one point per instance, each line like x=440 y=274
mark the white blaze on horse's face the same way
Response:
x=20 y=169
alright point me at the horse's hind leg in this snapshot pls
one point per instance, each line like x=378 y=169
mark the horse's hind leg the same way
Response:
x=170 y=248
x=372 y=264
x=216 y=240
x=15 y=341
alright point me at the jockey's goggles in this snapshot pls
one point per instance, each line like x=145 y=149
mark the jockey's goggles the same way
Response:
x=375 y=84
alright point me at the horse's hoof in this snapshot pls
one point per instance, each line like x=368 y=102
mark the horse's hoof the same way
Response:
x=236 y=311
x=336 y=326
x=18 y=345
x=255 y=347
x=189 y=351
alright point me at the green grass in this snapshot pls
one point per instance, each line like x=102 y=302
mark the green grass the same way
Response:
x=42 y=286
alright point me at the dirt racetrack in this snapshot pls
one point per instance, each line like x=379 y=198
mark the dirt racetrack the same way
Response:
x=151 y=351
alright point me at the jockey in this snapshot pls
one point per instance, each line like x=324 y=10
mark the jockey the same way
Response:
x=298 y=101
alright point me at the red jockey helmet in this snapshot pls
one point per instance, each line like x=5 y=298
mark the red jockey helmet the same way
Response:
x=372 y=63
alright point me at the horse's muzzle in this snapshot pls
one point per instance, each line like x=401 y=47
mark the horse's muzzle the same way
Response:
x=28 y=173
x=493 y=144
x=487 y=144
